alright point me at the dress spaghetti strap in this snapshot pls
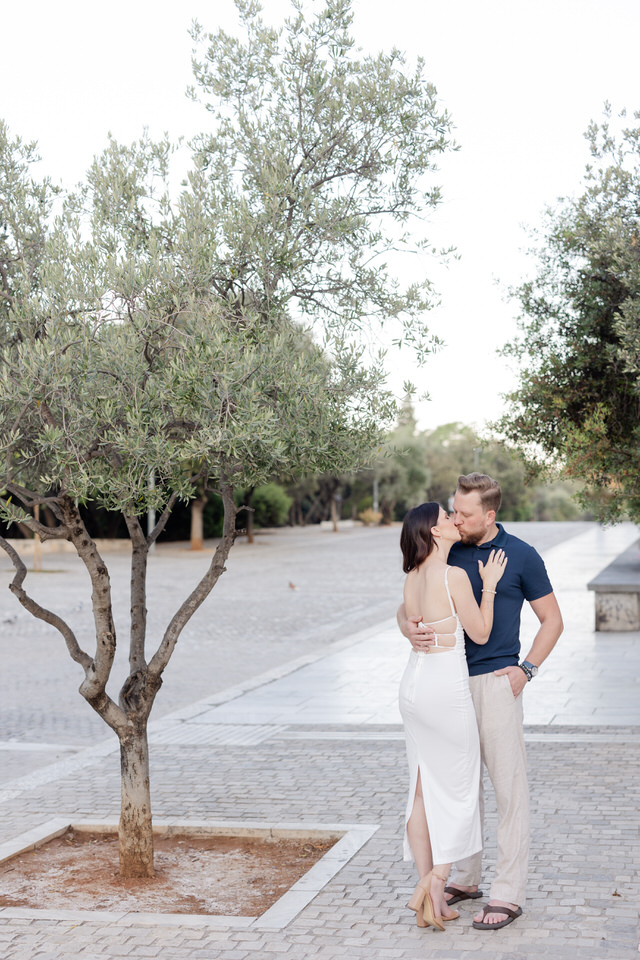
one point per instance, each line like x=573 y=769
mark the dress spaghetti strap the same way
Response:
x=446 y=586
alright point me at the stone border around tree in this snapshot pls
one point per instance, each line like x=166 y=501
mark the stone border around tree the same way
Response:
x=351 y=838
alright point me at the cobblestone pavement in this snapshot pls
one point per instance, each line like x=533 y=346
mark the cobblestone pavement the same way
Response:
x=283 y=706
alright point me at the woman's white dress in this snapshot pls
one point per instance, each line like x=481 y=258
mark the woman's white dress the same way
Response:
x=442 y=743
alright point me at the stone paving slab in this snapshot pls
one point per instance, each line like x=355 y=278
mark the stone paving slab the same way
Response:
x=336 y=754
x=585 y=845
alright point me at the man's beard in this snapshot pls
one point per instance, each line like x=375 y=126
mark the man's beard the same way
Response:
x=470 y=539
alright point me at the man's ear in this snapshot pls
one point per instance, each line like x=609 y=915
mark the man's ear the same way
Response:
x=490 y=518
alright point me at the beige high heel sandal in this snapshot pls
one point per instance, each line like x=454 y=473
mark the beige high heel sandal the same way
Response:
x=417 y=900
x=422 y=903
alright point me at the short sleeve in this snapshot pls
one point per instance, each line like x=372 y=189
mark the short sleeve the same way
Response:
x=535 y=579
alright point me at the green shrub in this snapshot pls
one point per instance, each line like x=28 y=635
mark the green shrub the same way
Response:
x=271 y=505
x=370 y=517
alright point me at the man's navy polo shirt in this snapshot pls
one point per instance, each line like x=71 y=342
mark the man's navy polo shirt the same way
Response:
x=525 y=578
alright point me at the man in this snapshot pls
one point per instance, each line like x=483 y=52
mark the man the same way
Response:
x=497 y=678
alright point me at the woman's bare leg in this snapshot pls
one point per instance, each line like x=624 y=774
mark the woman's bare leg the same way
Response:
x=420 y=843
x=418 y=833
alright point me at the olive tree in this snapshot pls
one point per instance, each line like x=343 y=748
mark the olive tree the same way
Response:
x=215 y=337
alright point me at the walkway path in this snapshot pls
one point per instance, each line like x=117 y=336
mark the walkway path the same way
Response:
x=306 y=728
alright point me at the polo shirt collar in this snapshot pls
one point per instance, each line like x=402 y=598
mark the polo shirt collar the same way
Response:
x=499 y=540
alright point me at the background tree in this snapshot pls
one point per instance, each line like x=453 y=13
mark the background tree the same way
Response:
x=398 y=475
x=577 y=409
x=454 y=449
x=401 y=468
x=164 y=337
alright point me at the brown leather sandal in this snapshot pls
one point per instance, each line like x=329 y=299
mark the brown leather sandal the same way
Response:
x=459 y=895
x=494 y=908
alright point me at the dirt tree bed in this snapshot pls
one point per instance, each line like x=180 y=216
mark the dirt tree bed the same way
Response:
x=231 y=876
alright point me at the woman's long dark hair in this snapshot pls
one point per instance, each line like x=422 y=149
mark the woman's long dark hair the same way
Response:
x=416 y=539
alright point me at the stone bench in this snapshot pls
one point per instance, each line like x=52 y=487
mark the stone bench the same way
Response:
x=617 y=590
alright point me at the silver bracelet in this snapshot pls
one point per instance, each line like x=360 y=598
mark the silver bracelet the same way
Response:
x=488 y=591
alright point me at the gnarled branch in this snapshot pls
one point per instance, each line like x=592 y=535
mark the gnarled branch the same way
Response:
x=41 y=613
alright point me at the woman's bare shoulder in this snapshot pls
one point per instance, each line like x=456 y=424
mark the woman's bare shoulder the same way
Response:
x=411 y=591
x=457 y=576
x=412 y=581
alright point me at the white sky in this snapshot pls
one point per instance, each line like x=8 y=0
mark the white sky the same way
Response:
x=521 y=78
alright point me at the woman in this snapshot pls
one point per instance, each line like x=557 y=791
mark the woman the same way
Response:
x=442 y=818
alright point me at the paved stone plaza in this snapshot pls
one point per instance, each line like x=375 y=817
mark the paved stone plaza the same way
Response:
x=280 y=705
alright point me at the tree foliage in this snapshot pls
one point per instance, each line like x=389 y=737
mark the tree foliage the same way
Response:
x=577 y=408
x=154 y=345
x=316 y=169
x=25 y=209
x=401 y=469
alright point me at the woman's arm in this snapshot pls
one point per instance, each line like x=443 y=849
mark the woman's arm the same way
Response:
x=477 y=620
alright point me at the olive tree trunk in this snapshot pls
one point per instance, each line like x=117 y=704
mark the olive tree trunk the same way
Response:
x=135 y=831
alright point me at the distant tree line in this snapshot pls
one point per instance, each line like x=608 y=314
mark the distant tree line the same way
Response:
x=413 y=466
x=416 y=466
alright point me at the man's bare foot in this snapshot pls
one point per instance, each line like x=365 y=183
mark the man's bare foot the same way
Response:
x=462 y=889
x=495 y=915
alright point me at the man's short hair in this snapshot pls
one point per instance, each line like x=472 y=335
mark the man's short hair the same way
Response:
x=489 y=489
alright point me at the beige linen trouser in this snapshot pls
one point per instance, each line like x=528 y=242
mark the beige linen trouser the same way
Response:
x=499 y=717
